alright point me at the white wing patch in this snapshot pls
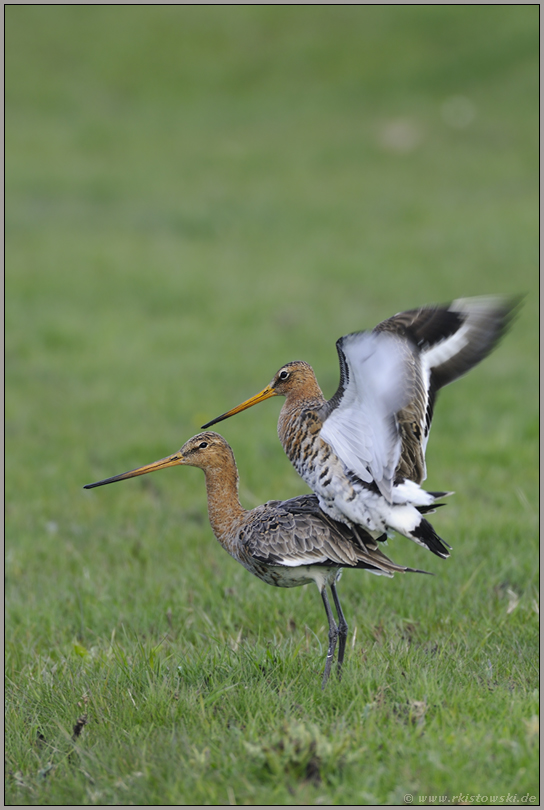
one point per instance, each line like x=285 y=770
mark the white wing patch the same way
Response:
x=304 y=558
x=362 y=430
x=484 y=318
x=448 y=348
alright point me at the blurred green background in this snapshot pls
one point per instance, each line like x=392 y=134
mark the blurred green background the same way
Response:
x=196 y=195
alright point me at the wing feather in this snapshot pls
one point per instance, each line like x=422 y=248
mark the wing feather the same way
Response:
x=450 y=339
x=377 y=380
x=296 y=533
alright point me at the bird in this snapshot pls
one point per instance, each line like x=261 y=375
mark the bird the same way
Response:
x=284 y=543
x=362 y=452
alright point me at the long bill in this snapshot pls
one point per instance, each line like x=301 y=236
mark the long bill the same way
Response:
x=161 y=464
x=266 y=393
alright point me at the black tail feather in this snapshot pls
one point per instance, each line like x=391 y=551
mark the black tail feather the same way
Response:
x=426 y=510
x=427 y=535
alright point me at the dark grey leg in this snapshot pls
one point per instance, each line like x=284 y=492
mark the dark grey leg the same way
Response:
x=342 y=629
x=333 y=635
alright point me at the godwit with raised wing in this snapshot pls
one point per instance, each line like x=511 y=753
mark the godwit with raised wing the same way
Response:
x=284 y=543
x=363 y=451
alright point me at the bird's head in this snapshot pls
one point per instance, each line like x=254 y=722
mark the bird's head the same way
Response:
x=293 y=380
x=207 y=450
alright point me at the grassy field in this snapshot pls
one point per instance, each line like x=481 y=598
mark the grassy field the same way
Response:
x=194 y=196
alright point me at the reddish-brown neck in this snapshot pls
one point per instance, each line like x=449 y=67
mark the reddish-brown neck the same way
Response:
x=224 y=508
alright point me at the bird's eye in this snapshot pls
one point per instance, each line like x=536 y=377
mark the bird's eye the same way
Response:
x=284 y=374
x=202 y=445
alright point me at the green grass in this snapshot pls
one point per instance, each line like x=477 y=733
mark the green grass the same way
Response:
x=194 y=196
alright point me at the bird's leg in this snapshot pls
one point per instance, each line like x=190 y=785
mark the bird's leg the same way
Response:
x=333 y=635
x=342 y=629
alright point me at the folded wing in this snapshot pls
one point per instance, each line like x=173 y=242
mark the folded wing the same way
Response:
x=296 y=532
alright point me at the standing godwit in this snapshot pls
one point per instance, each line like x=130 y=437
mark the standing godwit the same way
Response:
x=363 y=451
x=284 y=543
